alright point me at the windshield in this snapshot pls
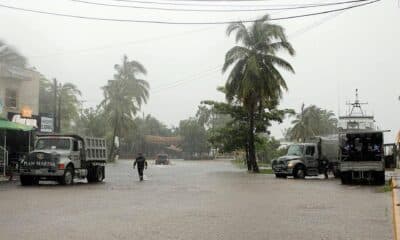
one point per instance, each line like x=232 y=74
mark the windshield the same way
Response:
x=53 y=143
x=296 y=150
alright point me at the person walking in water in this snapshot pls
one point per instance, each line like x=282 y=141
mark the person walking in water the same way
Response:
x=141 y=163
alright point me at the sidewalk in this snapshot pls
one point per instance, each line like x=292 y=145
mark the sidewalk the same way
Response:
x=6 y=179
x=395 y=184
x=3 y=179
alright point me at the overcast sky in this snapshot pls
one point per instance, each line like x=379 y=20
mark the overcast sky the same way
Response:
x=336 y=53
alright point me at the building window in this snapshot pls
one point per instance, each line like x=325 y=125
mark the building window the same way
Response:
x=11 y=98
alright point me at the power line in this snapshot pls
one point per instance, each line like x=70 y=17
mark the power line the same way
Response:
x=181 y=23
x=292 y=35
x=203 y=4
x=165 y=36
x=198 y=76
x=305 y=6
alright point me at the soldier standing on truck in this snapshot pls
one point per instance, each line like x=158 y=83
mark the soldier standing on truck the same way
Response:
x=141 y=164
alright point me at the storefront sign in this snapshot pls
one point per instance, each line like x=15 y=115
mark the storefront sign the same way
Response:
x=47 y=125
x=27 y=121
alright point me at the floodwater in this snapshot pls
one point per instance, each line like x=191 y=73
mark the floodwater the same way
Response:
x=194 y=200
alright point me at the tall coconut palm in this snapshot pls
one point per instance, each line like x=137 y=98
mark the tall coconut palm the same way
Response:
x=124 y=96
x=312 y=121
x=68 y=105
x=10 y=56
x=254 y=77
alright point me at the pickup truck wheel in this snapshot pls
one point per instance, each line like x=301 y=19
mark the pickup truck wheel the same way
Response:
x=299 y=172
x=68 y=177
x=280 y=175
x=336 y=173
x=379 y=178
x=26 y=180
x=345 y=177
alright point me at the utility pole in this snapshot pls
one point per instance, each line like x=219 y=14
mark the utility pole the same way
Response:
x=59 y=109
x=55 y=106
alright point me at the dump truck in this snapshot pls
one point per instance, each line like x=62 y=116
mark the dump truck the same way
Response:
x=316 y=156
x=362 y=156
x=63 y=157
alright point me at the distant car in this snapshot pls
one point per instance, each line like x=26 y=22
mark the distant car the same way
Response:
x=162 y=159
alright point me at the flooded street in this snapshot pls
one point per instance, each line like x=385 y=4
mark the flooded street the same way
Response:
x=194 y=200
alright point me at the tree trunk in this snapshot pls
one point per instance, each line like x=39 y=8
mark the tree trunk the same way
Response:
x=252 y=149
x=111 y=154
x=247 y=157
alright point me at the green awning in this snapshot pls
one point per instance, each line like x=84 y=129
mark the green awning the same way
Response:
x=7 y=125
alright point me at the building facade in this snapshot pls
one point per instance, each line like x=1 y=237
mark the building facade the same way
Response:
x=19 y=91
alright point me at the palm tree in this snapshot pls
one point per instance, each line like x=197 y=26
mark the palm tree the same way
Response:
x=68 y=104
x=124 y=96
x=312 y=121
x=10 y=56
x=254 y=78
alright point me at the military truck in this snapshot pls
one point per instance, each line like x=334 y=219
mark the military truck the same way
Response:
x=309 y=159
x=362 y=156
x=63 y=158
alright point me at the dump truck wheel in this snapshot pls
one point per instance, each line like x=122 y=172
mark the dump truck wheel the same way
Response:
x=99 y=174
x=91 y=174
x=26 y=180
x=68 y=177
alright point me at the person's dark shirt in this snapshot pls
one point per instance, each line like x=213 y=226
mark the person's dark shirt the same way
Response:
x=141 y=162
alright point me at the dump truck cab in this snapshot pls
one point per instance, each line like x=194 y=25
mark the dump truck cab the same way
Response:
x=63 y=158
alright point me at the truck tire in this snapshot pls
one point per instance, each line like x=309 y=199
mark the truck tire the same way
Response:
x=95 y=174
x=68 y=177
x=91 y=174
x=345 y=178
x=26 y=180
x=379 y=178
x=299 y=171
x=99 y=173
x=280 y=175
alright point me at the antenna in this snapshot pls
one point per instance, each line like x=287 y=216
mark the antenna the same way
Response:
x=356 y=105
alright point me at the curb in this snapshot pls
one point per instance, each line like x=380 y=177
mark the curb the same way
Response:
x=396 y=210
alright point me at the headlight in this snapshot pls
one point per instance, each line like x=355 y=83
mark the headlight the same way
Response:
x=291 y=165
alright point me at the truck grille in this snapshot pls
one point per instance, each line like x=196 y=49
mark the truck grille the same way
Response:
x=39 y=160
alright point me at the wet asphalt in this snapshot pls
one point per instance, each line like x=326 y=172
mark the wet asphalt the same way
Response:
x=194 y=200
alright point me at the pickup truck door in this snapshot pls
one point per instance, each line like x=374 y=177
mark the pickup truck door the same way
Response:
x=311 y=156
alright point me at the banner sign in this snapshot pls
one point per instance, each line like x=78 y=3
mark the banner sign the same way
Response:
x=47 y=125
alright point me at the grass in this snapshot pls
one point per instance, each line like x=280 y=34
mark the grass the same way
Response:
x=266 y=171
x=240 y=164
x=387 y=187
